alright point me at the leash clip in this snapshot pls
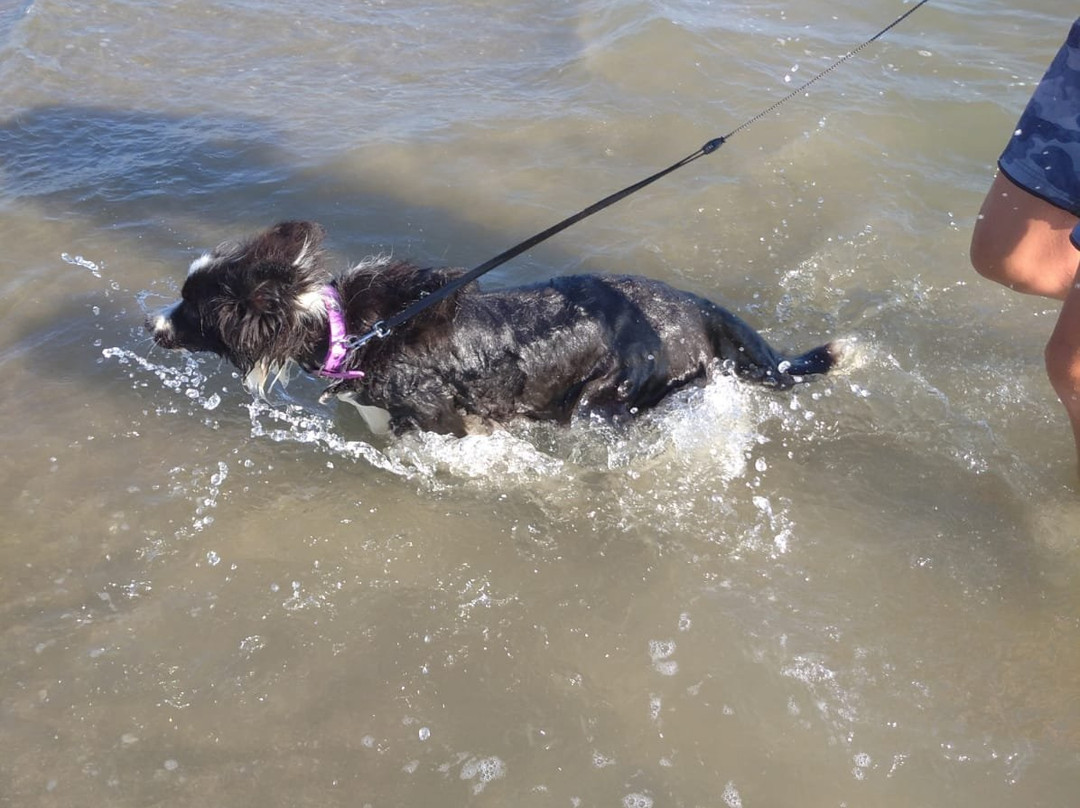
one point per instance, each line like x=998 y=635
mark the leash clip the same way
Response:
x=379 y=330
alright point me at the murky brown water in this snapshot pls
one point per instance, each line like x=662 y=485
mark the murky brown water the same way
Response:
x=865 y=593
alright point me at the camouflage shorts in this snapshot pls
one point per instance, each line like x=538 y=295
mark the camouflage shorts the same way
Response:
x=1043 y=155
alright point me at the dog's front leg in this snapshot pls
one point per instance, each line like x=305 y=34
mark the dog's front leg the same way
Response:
x=442 y=418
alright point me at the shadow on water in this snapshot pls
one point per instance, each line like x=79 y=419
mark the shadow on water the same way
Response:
x=178 y=177
x=129 y=169
x=10 y=14
x=162 y=187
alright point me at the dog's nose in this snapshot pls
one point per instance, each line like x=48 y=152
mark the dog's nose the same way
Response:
x=160 y=329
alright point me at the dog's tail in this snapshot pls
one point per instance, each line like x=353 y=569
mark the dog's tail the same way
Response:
x=814 y=362
x=747 y=354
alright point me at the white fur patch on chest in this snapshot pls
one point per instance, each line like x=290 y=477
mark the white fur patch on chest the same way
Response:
x=376 y=418
x=262 y=378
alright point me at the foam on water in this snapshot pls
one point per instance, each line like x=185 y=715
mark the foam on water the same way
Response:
x=730 y=796
x=660 y=652
x=482 y=771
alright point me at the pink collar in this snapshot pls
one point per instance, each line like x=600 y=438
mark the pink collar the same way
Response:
x=340 y=341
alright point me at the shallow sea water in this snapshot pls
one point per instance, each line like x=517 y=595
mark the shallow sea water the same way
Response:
x=865 y=592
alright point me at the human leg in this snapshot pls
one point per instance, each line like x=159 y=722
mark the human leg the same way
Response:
x=1022 y=241
x=1063 y=359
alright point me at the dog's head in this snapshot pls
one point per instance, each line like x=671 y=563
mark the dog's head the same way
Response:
x=256 y=302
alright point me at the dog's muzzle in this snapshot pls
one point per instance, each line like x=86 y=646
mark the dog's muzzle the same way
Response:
x=161 y=328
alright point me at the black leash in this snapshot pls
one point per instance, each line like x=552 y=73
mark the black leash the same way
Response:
x=383 y=327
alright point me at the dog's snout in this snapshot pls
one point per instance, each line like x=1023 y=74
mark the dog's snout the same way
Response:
x=161 y=328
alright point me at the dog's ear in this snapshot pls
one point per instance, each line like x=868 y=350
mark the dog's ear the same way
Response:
x=294 y=243
x=253 y=316
x=266 y=299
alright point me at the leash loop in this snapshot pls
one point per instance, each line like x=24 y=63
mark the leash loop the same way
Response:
x=713 y=145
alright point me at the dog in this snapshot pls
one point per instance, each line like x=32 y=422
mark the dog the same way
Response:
x=580 y=345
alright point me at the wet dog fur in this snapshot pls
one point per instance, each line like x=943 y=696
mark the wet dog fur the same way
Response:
x=576 y=345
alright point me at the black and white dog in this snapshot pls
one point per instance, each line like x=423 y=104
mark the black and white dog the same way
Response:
x=582 y=344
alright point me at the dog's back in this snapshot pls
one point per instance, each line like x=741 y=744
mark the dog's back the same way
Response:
x=611 y=345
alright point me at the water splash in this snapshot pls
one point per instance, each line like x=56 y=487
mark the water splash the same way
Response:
x=85 y=263
x=187 y=379
x=683 y=463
